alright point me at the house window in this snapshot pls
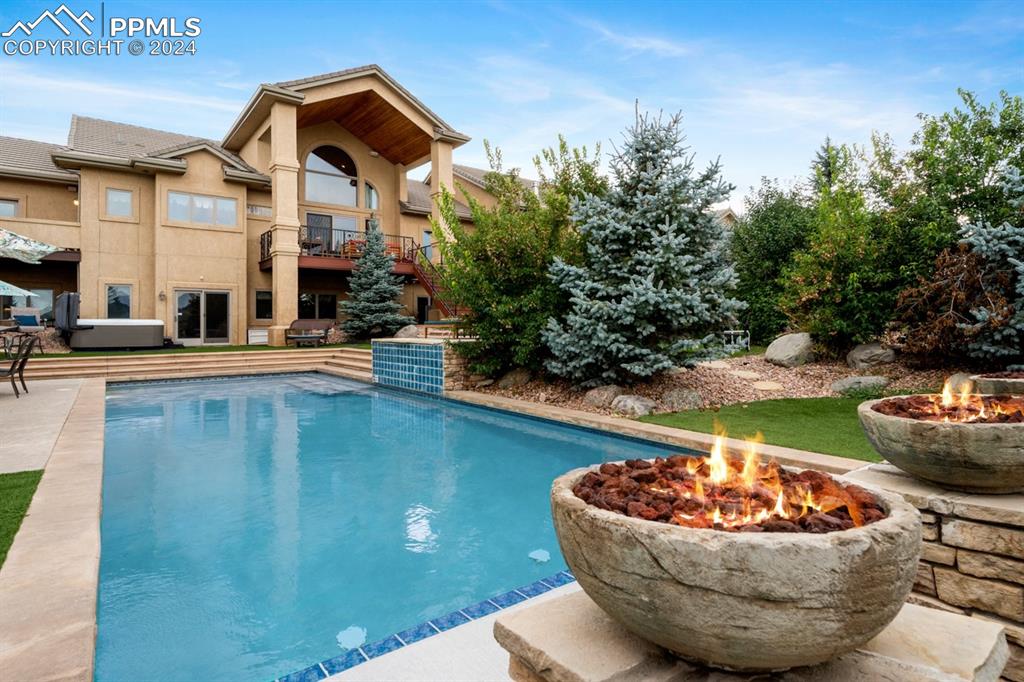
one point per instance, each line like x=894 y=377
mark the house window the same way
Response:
x=331 y=177
x=257 y=211
x=318 y=306
x=8 y=208
x=372 y=198
x=119 y=203
x=119 y=301
x=264 y=305
x=201 y=209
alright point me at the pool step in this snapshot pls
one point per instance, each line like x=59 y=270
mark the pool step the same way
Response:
x=352 y=359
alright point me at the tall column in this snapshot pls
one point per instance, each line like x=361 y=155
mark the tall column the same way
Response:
x=284 y=226
x=440 y=173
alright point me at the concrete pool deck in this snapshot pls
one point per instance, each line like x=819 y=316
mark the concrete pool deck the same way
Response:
x=49 y=582
x=33 y=422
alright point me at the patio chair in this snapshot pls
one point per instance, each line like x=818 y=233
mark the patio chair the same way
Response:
x=310 y=332
x=30 y=323
x=17 y=368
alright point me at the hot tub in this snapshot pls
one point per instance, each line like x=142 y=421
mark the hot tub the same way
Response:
x=117 y=334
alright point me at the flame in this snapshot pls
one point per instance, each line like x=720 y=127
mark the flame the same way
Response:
x=727 y=490
x=947 y=394
x=960 y=405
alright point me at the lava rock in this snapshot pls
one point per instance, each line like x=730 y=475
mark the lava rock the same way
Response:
x=633 y=405
x=602 y=396
x=409 y=331
x=517 y=377
x=679 y=399
x=868 y=355
x=859 y=383
x=790 y=350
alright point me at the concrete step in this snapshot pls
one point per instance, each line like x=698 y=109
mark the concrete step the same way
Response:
x=348 y=373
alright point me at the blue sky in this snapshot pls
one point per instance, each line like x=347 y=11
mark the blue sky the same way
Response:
x=760 y=84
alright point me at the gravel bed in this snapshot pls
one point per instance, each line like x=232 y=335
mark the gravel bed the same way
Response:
x=717 y=386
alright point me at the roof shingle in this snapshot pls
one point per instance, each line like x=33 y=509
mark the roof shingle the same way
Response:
x=32 y=156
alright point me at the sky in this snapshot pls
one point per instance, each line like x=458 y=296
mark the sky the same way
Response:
x=759 y=84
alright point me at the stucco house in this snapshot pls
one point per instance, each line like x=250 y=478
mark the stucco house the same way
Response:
x=217 y=238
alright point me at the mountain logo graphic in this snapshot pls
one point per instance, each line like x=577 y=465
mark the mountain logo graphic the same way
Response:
x=77 y=20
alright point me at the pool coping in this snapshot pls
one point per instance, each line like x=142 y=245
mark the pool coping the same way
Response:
x=50 y=580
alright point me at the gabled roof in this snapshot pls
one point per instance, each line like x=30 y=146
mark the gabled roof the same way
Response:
x=293 y=91
x=300 y=84
x=32 y=159
x=420 y=203
x=123 y=146
x=478 y=176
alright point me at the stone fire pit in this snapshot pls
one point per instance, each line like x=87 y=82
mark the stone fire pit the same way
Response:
x=1000 y=383
x=741 y=600
x=970 y=456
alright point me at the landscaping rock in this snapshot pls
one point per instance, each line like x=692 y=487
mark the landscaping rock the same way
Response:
x=868 y=355
x=484 y=383
x=767 y=386
x=602 y=396
x=790 y=350
x=633 y=405
x=515 y=378
x=679 y=399
x=859 y=383
x=409 y=331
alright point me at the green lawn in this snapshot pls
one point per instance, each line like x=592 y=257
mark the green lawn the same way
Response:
x=16 y=492
x=189 y=349
x=825 y=425
x=753 y=350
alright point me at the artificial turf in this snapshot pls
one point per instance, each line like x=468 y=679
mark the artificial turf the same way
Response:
x=826 y=425
x=16 y=492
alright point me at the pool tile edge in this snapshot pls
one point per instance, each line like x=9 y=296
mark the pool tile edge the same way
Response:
x=449 y=621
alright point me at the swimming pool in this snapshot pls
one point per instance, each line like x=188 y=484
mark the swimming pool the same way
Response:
x=252 y=527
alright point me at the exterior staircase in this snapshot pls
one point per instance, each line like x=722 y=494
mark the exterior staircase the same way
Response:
x=355 y=363
x=429 y=276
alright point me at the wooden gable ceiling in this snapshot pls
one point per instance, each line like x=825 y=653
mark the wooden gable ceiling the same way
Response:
x=373 y=120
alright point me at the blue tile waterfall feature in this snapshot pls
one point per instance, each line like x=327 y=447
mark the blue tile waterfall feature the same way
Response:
x=411 y=366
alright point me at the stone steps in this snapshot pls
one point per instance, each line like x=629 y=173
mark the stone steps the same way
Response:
x=177 y=364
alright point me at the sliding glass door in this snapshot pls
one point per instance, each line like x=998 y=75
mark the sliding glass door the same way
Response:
x=203 y=317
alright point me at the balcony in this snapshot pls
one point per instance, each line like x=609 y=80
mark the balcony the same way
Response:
x=325 y=248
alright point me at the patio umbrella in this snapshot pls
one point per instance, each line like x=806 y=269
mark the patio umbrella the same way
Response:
x=11 y=290
x=13 y=245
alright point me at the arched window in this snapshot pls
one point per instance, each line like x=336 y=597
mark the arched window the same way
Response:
x=372 y=198
x=331 y=177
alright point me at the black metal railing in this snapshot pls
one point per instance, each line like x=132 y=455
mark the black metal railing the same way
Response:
x=329 y=242
x=266 y=239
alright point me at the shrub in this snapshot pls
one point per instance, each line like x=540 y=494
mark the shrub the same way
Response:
x=775 y=224
x=497 y=269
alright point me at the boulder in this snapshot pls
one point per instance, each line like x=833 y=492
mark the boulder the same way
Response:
x=868 y=355
x=515 y=378
x=602 y=396
x=859 y=384
x=790 y=350
x=959 y=380
x=633 y=405
x=409 y=331
x=679 y=399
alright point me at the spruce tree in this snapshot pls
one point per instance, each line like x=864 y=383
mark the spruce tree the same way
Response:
x=998 y=333
x=655 y=285
x=371 y=309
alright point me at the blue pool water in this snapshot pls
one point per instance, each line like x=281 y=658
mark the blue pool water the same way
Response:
x=247 y=522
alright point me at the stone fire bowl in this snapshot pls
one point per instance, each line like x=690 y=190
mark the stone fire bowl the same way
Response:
x=997 y=385
x=977 y=458
x=742 y=601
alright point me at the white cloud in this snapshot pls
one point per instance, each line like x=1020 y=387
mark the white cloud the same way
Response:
x=637 y=43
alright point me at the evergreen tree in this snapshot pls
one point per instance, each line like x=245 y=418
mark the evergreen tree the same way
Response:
x=823 y=167
x=654 y=287
x=998 y=334
x=371 y=308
